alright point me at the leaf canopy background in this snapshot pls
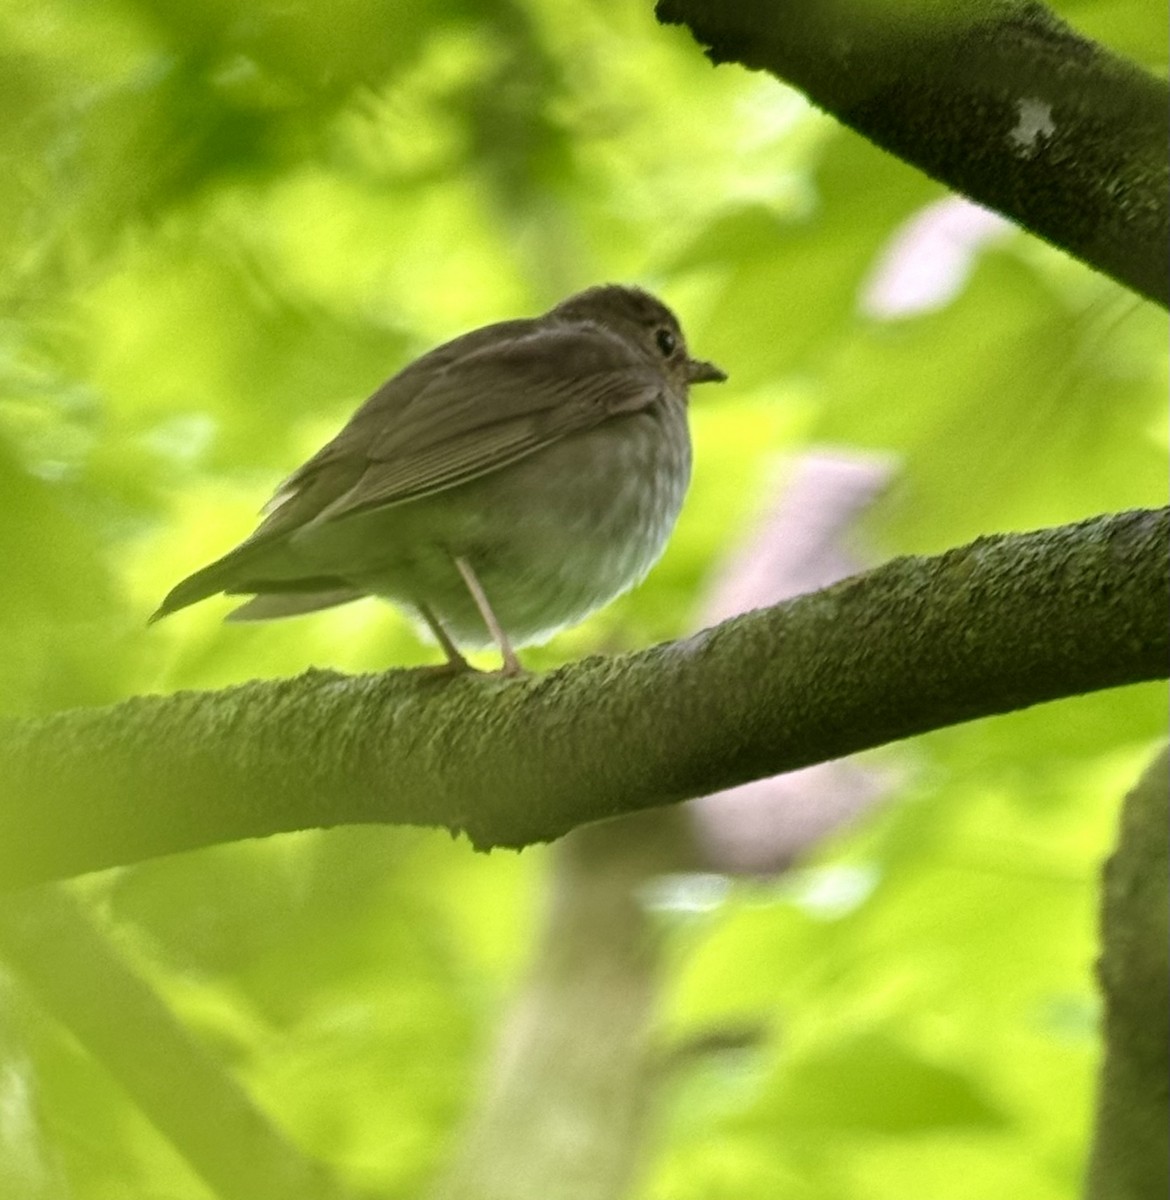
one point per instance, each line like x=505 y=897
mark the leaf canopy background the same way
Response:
x=225 y=225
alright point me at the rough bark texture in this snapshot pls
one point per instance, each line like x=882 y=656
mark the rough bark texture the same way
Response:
x=1131 y=1144
x=920 y=643
x=1001 y=101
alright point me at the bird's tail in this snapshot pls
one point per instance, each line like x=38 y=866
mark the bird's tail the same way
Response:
x=227 y=574
x=258 y=568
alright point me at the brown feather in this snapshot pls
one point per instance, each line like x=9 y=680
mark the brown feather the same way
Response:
x=482 y=411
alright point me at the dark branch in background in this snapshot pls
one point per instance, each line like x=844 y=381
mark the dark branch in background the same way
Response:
x=918 y=644
x=1131 y=1143
x=75 y=974
x=1000 y=101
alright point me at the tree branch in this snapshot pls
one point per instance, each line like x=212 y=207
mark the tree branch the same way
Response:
x=918 y=644
x=1000 y=101
x=1131 y=1141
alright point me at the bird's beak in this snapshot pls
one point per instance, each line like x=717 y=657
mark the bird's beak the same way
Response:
x=699 y=371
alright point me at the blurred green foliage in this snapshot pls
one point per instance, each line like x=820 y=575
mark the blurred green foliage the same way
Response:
x=224 y=225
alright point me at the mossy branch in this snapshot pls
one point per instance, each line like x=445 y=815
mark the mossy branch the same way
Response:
x=918 y=644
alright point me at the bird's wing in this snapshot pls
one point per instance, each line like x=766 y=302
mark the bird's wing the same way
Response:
x=469 y=407
x=472 y=415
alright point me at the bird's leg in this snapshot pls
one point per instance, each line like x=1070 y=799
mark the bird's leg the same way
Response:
x=455 y=660
x=511 y=662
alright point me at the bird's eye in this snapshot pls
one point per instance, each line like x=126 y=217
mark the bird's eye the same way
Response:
x=666 y=342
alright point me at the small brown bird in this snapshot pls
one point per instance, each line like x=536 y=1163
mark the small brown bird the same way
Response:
x=503 y=486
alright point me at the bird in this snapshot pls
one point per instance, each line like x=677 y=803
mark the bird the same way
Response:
x=501 y=487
